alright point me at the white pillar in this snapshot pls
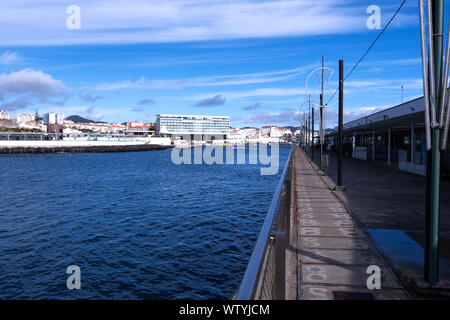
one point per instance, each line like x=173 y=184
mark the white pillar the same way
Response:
x=373 y=144
x=413 y=143
x=389 y=147
x=353 y=145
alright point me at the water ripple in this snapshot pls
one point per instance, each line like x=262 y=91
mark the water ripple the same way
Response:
x=138 y=226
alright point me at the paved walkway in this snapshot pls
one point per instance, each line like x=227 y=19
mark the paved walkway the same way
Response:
x=390 y=204
x=333 y=251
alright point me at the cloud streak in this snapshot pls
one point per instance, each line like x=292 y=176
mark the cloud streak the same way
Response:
x=89 y=97
x=146 y=102
x=207 y=81
x=217 y=100
x=31 y=22
x=253 y=107
x=7 y=58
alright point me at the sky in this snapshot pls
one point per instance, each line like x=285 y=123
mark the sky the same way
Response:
x=255 y=61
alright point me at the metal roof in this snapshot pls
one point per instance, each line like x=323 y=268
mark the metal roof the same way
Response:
x=400 y=115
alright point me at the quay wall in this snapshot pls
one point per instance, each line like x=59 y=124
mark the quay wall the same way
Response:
x=10 y=147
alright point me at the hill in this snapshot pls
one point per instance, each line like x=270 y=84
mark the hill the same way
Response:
x=79 y=119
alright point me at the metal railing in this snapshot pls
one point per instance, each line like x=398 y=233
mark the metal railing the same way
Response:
x=264 y=277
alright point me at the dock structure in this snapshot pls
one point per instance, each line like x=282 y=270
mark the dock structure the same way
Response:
x=335 y=257
x=20 y=144
x=81 y=149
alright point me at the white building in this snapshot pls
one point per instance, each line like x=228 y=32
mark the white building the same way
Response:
x=69 y=130
x=201 y=126
x=24 y=118
x=30 y=125
x=4 y=115
x=265 y=131
x=275 y=132
x=53 y=118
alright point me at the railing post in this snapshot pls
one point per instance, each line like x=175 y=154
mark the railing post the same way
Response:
x=282 y=237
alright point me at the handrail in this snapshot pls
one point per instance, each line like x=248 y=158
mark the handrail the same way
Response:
x=249 y=282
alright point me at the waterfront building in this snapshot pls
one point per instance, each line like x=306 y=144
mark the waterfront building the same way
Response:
x=280 y=134
x=8 y=123
x=395 y=135
x=137 y=128
x=4 y=115
x=200 y=127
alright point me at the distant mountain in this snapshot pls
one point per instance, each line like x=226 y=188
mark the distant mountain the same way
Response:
x=79 y=119
x=293 y=129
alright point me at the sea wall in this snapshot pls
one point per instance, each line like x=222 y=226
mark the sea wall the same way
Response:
x=10 y=147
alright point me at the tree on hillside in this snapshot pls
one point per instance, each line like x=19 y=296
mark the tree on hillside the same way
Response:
x=36 y=116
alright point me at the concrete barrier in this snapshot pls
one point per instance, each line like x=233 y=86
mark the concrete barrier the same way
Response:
x=80 y=146
x=360 y=153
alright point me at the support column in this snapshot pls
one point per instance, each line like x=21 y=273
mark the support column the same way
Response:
x=312 y=132
x=308 y=132
x=373 y=144
x=413 y=144
x=389 y=147
x=434 y=156
x=321 y=133
x=353 y=145
x=341 y=122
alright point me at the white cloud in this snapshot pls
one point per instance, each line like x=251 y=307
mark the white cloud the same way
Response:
x=31 y=22
x=89 y=112
x=25 y=87
x=286 y=117
x=263 y=92
x=206 y=81
x=93 y=113
x=294 y=117
x=378 y=84
x=331 y=114
x=8 y=57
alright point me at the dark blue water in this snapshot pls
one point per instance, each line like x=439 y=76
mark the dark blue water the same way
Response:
x=138 y=226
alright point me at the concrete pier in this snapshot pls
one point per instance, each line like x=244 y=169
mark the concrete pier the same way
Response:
x=82 y=149
x=36 y=146
x=331 y=256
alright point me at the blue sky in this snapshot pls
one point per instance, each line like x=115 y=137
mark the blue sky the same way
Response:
x=245 y=59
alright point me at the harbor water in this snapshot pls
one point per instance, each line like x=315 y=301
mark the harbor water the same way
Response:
x=137 y=225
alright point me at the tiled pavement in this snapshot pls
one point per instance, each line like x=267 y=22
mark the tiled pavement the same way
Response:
x=333 y=252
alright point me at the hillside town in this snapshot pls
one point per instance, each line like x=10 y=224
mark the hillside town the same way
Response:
x=56 y=123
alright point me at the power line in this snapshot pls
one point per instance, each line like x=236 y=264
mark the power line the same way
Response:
x=370 y=47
